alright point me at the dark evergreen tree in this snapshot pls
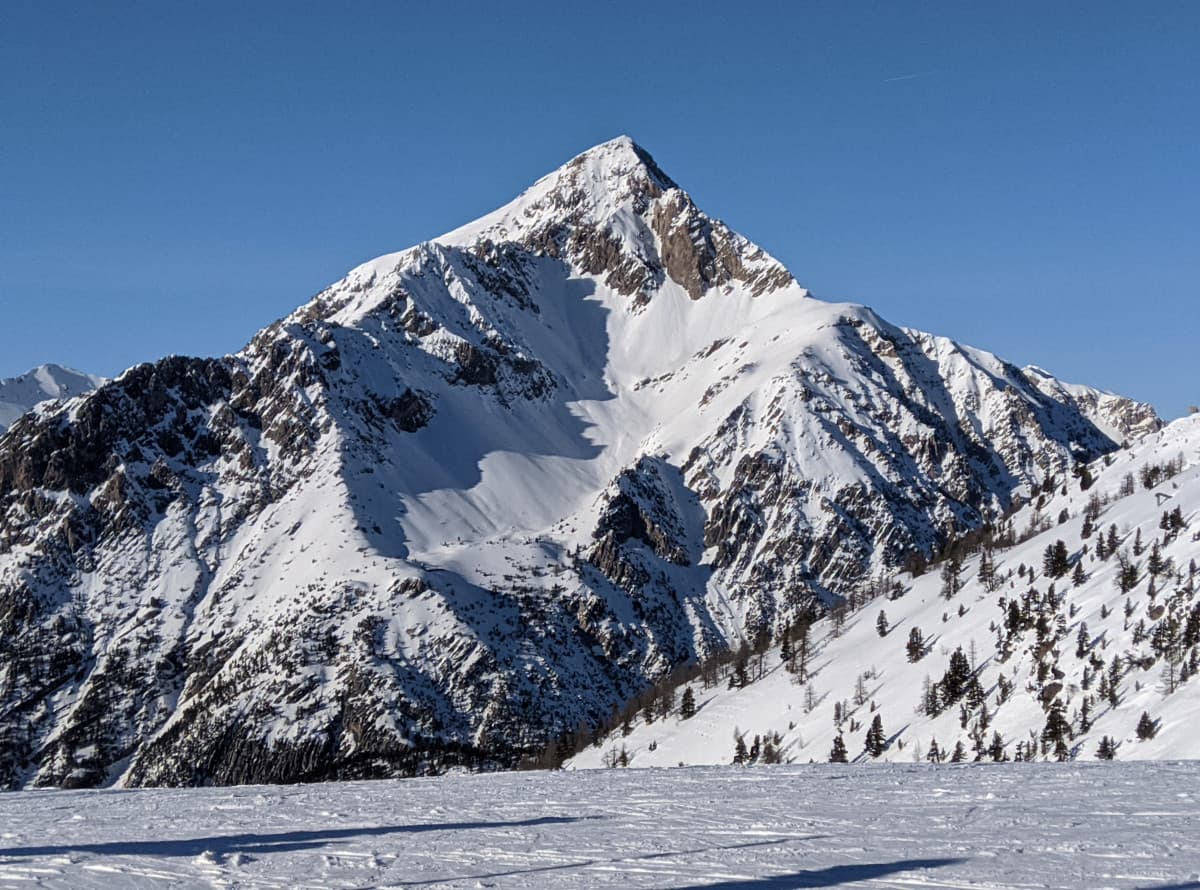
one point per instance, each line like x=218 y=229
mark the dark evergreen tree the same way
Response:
x=951 y=577
x=1147 y=728
x=916 y=645
x=935 y=753
x=1084 y=475
x=687 y=706
x=1107 y=749
x=881 y=624
x=785 y=645
x=770 y=752
x=987 y=569
x=1057 y=727
x=974 y=694
x=876 y=741
x=960 y=753
x=1082 y=640
x=1013 y=620
x=741 y=671
x=1056 y=560
x=1061 y=752
x=740 y=754
x=666 y=703
x=931 y=699
x=1078 y=577
x=838 y=753
x=1154 y=562
x=1127 y=574
x=996 y=748
x=954 y=681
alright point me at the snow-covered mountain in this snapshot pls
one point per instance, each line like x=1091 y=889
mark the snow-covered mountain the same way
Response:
x=480 y=492
x=19 y=394
x=1038 y=645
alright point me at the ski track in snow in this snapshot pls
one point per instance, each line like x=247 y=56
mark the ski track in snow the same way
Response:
x=1121 y=825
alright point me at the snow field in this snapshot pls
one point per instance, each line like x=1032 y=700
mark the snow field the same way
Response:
x=1123 y=825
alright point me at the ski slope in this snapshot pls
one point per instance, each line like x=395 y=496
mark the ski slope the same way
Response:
x=758 y=828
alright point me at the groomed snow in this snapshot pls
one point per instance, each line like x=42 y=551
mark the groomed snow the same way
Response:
x=1120 y=825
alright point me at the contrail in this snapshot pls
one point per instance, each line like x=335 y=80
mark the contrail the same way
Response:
x=909 y=76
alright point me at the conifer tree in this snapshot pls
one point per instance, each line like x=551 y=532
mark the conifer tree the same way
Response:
x=960 y=753
x=935 y=753
x=931 y=701
x=1114 y=682
x=951 y=577
x=770 y=753
x=1057 y=727
x=687 y=706
x=1154 y=562
x=1146 y=728
x=916 y=645
x=838 y=753
x=1078 y=577
x=1082 y=640
x=954 y=681
x=987 y=569
x=740 y=754
x=1061 y=752
x=881 y=624
x=1127 y=574
x=876 y=741
x=1107 y=749
x=996 y=748
x=1055 y=560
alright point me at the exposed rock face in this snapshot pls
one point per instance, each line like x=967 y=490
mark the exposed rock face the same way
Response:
x=475 y=494
x=1122 y=419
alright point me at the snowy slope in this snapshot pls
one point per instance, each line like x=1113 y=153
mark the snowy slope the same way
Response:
x=894 y=685
x=478 y=493
x=1091 y=827
x=19 y=394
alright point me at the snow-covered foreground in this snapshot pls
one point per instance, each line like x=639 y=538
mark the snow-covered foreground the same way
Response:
x=1120 y=825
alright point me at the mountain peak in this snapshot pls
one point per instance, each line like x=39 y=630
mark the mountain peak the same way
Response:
x=614 y=213
x=590 y=188
x=623 y=157
x=19 y=394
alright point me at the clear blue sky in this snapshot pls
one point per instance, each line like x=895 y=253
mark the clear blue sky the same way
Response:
x=1024 y=177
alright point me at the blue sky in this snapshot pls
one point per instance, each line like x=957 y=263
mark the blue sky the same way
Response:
x=1019 y=176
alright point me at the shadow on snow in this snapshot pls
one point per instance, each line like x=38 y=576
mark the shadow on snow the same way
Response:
x=834 y=876
x=279 y=842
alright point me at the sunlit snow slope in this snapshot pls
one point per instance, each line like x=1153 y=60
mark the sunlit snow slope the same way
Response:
x=480 y=492
x=1151 y=631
